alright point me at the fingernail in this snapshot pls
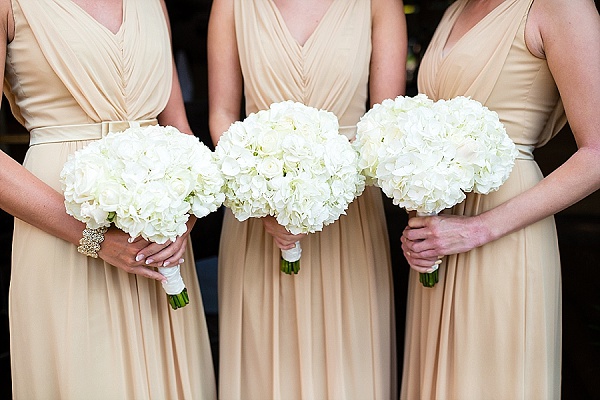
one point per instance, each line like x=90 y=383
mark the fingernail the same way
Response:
x=149 y=261
x=139 y=257
x=181 y=261
x=130 y=240
x=438 y=262
x=166 y=264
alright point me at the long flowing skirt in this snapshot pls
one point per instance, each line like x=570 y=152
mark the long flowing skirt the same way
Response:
x=491 y=328
x=83 y=329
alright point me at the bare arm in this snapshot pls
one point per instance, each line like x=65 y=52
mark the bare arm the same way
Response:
x=21 y=193
x=568 y=35
x=224 y=71
x=390 y=45
x=26 y=197
x=174 y=113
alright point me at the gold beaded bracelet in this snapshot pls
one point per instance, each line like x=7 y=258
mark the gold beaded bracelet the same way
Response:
x=89 y=244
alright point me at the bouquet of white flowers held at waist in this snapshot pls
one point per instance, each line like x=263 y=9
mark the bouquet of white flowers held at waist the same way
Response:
x=146 y=181
x=290 y=162
x=426 y=155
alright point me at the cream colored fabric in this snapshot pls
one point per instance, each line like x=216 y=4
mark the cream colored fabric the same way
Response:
x=328 y=332
x=67 y=133
x=491 y=328
x=80 y=328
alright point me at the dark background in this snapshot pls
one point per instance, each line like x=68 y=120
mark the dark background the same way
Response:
x=578 y=226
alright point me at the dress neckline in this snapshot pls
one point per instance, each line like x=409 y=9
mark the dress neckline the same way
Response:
x=446 y=49
x=287 y=31
x=101 y=25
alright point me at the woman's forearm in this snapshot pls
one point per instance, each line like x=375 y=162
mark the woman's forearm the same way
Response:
x=562 y=188
x=26 y=197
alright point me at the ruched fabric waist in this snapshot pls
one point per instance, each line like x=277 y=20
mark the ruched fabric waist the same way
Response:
x=525 y=151
x=72 y=133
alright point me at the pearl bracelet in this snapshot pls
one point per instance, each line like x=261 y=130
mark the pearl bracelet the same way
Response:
x=89 y=244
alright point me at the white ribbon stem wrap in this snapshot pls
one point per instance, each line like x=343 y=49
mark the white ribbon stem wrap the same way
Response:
x=292 y=254
x=174 y=284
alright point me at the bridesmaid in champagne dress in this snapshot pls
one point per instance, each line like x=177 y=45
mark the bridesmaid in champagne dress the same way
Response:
x=83 y=327
x=491 y=328
x=328 y=332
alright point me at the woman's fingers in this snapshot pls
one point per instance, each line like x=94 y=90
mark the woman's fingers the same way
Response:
x=120 y=251
x=419 y=255
x=172 y=255
x=283 y=238
x=146 y=272
x=425 y=266
x=420 y=247
x=289 y=243
x=150 y=254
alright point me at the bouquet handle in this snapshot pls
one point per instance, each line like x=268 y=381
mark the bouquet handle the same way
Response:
x=428 y=279
x=174 y=287
x=290 y=259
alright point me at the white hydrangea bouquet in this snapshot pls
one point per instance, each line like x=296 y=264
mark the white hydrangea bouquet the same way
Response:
x=426 y=155
x=146 y=181
x=290 y=162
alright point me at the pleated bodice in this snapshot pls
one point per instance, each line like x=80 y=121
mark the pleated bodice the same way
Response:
x=64 y=67
x=499 y=72
x=276 y=67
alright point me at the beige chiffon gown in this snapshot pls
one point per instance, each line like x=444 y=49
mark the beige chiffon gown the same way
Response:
x=491 y=328
x=328 y=332
x=80 y=328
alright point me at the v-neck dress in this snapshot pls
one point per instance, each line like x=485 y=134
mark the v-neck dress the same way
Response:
x=80 y=328
x=328 y=332
x=491 y=328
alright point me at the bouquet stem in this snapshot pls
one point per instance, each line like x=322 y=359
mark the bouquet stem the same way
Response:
x=429 y=279
x=290 y=267
x=290 y=260
x=178 y=300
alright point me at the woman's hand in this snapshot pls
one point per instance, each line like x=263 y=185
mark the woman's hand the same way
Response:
x=427 y=239
x=168 y=253
x=117 y=249
x=164 y=255
x=139 y=256
x=284 y=239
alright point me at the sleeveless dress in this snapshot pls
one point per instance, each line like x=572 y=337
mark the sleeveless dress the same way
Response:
x=491 y=328
x=80 y=328
x=328 y=332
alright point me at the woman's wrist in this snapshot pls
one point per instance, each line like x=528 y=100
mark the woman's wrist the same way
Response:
x=91 y=240
x=481 y=232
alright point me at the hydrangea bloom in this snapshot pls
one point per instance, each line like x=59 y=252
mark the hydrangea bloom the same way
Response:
x=426 y=155
x=289 y=161
x=146 y=181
